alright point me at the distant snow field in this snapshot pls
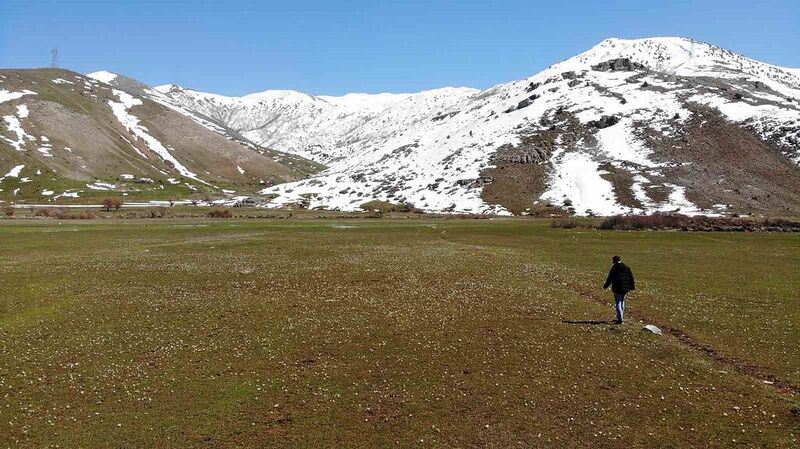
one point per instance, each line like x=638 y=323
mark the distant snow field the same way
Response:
x=103 y=76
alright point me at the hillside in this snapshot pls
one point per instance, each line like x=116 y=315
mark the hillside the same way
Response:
x=69 y=137
x=630 y=126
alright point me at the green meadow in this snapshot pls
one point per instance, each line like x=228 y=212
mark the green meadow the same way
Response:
x=392 y=333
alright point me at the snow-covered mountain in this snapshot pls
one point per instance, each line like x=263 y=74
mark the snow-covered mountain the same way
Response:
x=630 y=126
x=302 y=124
x=660 y=124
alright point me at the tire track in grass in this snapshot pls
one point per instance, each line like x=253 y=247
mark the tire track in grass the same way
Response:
x=755 y=372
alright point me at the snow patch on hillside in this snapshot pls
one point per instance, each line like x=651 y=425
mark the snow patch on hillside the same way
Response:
x=98 y=185
x=577 y=182
x=103 y=76
x=14 y=125
x=6 y=95
x=619 y=143
x=13 y=173
x=131 y=123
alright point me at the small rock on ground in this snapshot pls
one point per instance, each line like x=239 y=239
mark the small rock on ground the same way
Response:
x=652 y=328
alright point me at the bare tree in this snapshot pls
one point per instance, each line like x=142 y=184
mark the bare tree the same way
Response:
x=111 y=203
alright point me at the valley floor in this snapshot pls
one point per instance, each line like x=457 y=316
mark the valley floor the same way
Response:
x=392 y=333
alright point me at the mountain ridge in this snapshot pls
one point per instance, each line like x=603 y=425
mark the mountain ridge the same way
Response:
x=795 y=71
x=444 y=150
x=628 y=126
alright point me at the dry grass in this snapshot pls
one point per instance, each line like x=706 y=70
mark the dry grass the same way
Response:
x=516 y=187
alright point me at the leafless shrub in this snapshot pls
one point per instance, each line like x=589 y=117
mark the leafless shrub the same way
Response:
x=8 y=210
x=655 y=221
x=49 y=212
x=157 y=212
x=111 y=203
x=219 y=212
x=569 y=223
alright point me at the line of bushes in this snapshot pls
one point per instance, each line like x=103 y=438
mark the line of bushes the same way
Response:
x=64 y=214
x=698 y=223
x=387 y=207
x=571 y=223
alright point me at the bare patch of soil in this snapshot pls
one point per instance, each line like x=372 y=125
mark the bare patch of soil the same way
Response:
x=622 y=181
x=515 y=186
x=722 y=163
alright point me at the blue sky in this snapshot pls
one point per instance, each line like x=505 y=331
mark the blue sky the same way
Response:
x=238 y=47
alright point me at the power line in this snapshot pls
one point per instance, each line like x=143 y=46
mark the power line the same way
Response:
x=54 y=58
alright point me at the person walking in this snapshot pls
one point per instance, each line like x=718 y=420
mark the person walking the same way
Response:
x=620 y=278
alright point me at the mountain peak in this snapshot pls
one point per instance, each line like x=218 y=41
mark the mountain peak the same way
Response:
x=678 y=56
x=664 y=54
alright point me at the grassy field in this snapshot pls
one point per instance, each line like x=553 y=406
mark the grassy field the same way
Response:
x=387 y=333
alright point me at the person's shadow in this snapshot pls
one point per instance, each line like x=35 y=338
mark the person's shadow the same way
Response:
x=588 y=321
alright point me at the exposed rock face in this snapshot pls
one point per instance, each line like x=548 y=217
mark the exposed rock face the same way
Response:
x=604 y=122
x=569 y=75
x=522 y=104
x=444 y=116
x=475 y=183
x=619 y=65
x=536 y=146
x=532 y=86
x=523 y=154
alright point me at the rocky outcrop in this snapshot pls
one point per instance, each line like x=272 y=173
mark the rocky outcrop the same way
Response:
x=618 y=65
x=522 y=104
x=604 y=122
x=523 y=154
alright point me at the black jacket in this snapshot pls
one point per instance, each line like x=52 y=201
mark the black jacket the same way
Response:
x=620 y=278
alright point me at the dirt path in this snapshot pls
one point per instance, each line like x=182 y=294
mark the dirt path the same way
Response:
x=755 y=372
x=688 y=342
